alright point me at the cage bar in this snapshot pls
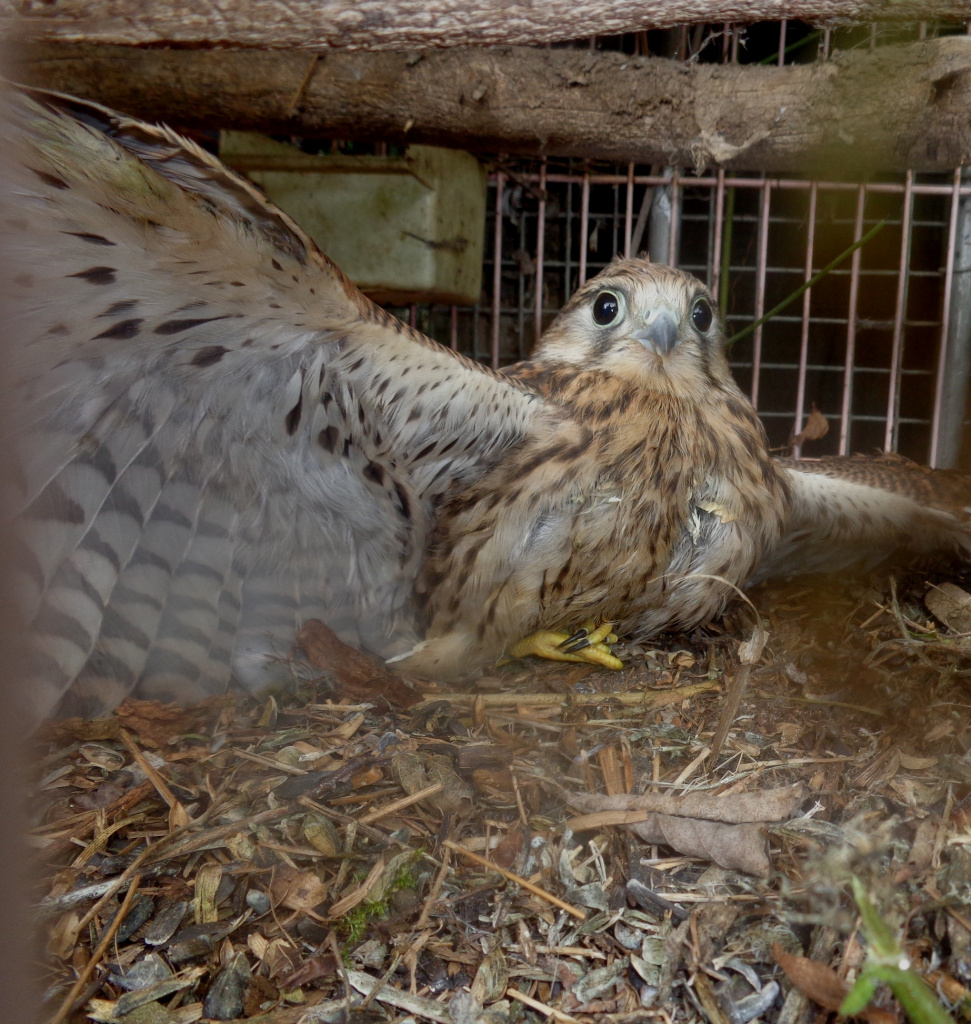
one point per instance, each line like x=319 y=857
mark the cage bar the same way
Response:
x=629 y=210
x=942 y=352
x=900 y=310
x=760 y=291
x=804 y=325
x=540 y=237
x=497 y=270
x=850 y=359
x=716 y=242
x=956 y=357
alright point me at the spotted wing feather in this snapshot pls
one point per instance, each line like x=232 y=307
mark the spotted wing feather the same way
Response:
x=216 y=435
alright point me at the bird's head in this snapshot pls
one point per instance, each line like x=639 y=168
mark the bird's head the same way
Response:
x=644 y=321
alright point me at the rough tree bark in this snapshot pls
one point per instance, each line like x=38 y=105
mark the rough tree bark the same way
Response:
x=893 y=108
x=400 y=24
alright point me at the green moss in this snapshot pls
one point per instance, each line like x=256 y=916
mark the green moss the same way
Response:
x=353 y=926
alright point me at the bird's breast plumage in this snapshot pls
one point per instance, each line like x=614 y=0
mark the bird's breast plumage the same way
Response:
x=623 y=514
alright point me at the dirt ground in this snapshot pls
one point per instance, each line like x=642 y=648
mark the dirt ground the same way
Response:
x=551 y=843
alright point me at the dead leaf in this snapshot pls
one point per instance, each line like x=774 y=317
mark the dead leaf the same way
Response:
x=823 y=985
x=408 y=770
x=347 y=730
x=321 y=834
x=759 y=806
x=816 y=426
x=509 y=848
x=491 y=978
x=297 y=890
x=724 y=829
x=951 y=605
x=354 y=673
x=258 y=944
x=106 y=795
x=922 y=849
x=416 y=770
x=917 y=764
x=814 y=979
x=156 y=724
x=323 y=965
x=939 y=730
x=101 y=756
x=456 y=796
x=281 y=959
x=63 y=936
x=735 y=847
x=208 y=878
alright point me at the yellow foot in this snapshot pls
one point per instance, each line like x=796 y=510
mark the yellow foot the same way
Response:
x=588 y=644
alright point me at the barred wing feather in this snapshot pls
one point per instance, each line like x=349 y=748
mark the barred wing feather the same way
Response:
x=216 y=436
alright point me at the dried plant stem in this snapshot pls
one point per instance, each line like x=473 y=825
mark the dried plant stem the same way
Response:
x=518 y=879
x=434 y=892
x=400 y=805
x=657 y=699
x=535 y=1004
x=96 y=957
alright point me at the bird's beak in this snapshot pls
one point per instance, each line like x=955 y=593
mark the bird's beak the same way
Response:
x=661 y=336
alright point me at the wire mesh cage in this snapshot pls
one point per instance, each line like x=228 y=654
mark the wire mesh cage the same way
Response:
x=878 y=344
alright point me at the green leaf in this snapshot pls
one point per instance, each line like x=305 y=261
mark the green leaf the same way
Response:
x=918 y=999
x=887 y=962
x=859 y=995
x=877 y=931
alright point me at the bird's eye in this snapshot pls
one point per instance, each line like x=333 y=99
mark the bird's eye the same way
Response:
x=702 y=315
x=606 y=308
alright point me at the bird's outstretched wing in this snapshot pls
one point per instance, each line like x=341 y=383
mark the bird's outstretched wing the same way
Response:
x=856 y=511
x=216 y=436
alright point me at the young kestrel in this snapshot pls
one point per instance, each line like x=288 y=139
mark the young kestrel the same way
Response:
x=216 y=437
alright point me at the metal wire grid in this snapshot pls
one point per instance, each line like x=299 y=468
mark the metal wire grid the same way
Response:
x=867 y=345
x=873 y=346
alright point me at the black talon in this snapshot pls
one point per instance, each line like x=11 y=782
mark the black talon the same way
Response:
x=573 y=639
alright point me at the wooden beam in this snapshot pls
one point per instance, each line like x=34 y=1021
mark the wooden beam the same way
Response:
x=400 y=24
x=889 y=109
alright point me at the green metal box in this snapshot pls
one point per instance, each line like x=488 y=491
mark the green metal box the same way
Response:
x=403 y=229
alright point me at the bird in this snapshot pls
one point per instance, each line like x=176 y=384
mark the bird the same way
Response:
x=652 y=500
x=658 y=498
x=214 y=438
